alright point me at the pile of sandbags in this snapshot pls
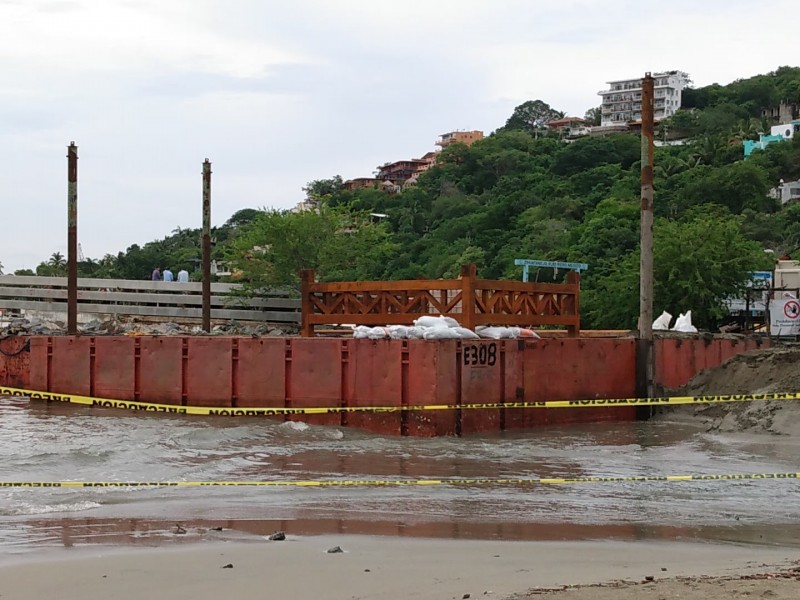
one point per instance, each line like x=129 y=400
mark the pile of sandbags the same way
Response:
x=439 y=328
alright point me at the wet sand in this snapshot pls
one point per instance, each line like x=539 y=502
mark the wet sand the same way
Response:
x=387 y=568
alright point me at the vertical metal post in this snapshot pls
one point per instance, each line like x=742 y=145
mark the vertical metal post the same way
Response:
x=206 y=245
x=72 y=239
x=646 y=355
x=468 y=274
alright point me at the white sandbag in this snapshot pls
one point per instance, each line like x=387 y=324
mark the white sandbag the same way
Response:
x=361 y=332
x=522 y=332
x=662 y=322
x=441 y=333
x=495 y=333
x=416 y=333
x=684 y=323
x=492 y=333
x=378 y=333
x=465 y=334
x=440 y=321
x=450 y=321
x=430 y=321
x=398 y=332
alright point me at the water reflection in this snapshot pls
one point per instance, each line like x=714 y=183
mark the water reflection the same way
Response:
x=41 y=442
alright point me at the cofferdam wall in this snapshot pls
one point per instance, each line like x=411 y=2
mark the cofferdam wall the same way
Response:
x=291 y=372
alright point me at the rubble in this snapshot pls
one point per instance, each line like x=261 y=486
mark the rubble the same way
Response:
x=22 y=326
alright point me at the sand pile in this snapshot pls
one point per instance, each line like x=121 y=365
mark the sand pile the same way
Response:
x=774 y=370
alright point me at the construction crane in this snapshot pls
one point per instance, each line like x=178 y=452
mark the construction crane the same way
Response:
x=81 y=257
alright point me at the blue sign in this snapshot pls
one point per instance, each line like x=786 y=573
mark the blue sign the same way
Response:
x=569 y=266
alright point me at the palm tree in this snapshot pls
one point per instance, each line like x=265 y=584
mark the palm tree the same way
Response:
x=56 y=264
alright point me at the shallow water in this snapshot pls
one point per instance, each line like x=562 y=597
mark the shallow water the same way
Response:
x=42 y=442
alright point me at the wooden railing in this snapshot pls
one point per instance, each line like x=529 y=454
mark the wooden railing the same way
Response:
x=145 y=298
x=469 y=300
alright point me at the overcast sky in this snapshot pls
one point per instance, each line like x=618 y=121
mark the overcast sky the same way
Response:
x=278 y=94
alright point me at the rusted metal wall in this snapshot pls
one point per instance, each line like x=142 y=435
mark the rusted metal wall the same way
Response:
x=327 y=372
x=15 y=362
x=680 y=359
x=570 y=369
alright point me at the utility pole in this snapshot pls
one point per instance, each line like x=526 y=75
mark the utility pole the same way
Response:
x=72 y=239
x=206 y=245
x=645 y=353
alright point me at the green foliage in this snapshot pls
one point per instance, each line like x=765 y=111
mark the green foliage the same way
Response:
x=521 y=193
x=750 y=95
x=277 y=245
x=532 y=115
x=594 y=116
x=55 y=266
x=699 y=262
x=590 y=152
x=321 y=189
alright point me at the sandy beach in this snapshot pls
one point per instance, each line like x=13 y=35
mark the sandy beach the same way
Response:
x=388 y=568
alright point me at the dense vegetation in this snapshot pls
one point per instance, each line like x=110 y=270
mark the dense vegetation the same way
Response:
x=523 y=193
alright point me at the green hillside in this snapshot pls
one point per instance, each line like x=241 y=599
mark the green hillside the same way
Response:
x=523 y=193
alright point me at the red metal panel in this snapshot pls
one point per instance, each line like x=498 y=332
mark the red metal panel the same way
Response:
x=574 y=369
x=432 y=379
x=69 y=371
x=729 y=349
x=15 y=361
x=675 y=364
x=513 y=384
x=700 y=353
x=161 y=369
x=115 y=367
x=315 y=378
x=374 y=378
x=208 y=371
x=605 y=368
x=38 y=372
x=261 y=372
x=481 y=383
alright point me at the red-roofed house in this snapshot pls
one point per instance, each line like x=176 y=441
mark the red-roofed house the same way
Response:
x=569 y=127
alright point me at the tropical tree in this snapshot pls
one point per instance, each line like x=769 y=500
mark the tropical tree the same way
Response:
x=338 y=244
x=699 y=262
x=55 y=266
x=57 y=260
x=532 y=115
x=594 y=116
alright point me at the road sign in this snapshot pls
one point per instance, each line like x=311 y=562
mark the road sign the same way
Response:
x=784 y=317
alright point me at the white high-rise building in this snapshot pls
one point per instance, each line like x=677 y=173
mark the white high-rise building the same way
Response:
x=622 y=102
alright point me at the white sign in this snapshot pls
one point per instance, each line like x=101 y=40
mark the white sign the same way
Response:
x=784 y=317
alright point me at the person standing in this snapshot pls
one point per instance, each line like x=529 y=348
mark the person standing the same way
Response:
x=168 y=275
x=156 y=274
x=183 y=276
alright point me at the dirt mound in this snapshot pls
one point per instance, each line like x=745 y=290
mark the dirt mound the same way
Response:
x=775 y=370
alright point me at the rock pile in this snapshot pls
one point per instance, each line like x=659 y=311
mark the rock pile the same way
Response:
x=21 y=326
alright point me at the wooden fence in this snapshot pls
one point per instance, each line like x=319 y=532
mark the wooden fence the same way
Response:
x=469 y=300
x=145 y=298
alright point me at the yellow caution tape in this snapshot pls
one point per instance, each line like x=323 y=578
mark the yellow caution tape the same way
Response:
x=277 y=411
x=400 y=482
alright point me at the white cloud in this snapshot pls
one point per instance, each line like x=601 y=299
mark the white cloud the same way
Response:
x=109 y=36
